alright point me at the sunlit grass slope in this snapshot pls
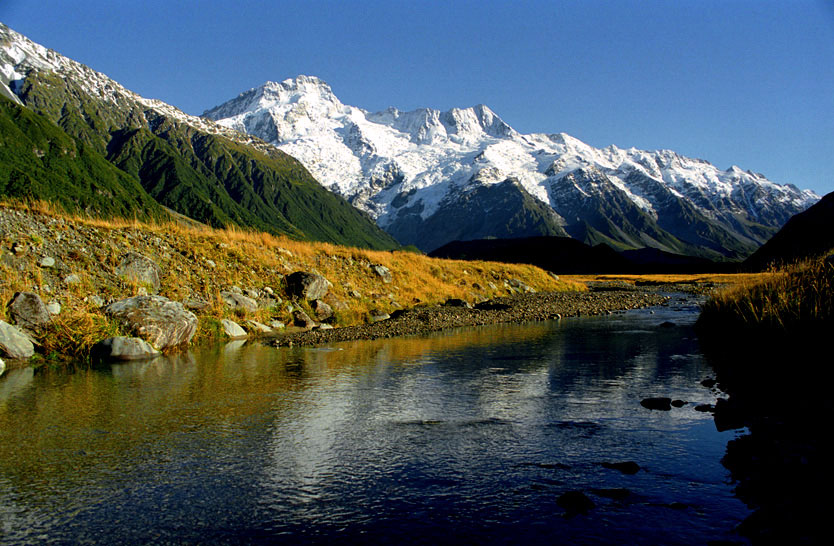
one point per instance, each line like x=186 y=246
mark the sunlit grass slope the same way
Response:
x=199 y=262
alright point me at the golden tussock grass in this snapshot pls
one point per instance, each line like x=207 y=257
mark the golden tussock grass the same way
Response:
x=789 y=298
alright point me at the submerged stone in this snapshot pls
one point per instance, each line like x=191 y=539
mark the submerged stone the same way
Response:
x=626 y=467
x=575 y=502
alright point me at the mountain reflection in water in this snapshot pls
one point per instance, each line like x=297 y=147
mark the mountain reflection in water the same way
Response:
x=472 y=435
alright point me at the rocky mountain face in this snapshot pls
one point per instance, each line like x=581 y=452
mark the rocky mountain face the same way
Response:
x=430 y=177
x=84 y=141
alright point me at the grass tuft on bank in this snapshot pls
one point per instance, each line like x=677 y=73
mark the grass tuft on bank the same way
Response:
x=797 y=299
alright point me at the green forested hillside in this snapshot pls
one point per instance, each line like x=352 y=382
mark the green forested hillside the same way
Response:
x=127 y=159
x=38 y=160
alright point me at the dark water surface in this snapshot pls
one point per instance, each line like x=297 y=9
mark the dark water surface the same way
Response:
x=465 y=437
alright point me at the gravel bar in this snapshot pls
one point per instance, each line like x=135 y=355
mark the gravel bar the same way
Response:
x=511 y=309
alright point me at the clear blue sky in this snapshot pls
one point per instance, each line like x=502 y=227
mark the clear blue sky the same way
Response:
x=745 y=82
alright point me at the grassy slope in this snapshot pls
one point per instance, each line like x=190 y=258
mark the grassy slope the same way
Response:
x=240 y=258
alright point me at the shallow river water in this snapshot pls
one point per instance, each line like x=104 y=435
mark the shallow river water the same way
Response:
x=462 y=437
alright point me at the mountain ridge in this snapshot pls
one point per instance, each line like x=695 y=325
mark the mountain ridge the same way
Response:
x=423 y=158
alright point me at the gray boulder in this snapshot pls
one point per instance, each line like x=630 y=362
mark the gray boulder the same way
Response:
x=323 y=311
x=47 y=262
x=383 y=272
x=377 y=316
x=159 y=321
x=124 y=348
x=14 y=343
x=309 y=286
x=28 y=311
x=195 y=304
x=236 y=301
x=518 y=285
x=302 y=319
x=257 y=327
x=135 y=267
x=232 y=329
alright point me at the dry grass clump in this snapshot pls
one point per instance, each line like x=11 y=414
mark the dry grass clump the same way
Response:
x=791 y=299
x=76 y=333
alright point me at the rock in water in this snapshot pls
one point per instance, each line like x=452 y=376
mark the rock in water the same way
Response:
x=159 y=321
x=13 y=343
x=233 y=329
x=658 y=403
x=575 y=502
x=309 y=286
x=135 y=267
x=124 y=348
x=28 y=311
x=626 y=467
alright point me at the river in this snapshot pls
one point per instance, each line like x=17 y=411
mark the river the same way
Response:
x=469 y=436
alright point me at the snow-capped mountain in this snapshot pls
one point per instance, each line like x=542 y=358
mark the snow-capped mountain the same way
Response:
x=429 y=177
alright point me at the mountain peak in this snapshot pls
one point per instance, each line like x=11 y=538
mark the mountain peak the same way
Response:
x=301 y=84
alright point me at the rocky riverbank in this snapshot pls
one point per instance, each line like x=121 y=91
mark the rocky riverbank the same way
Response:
x=78 y=288
x=457 y=313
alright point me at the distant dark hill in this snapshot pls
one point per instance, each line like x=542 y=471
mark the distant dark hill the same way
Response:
x=652 y=260
x=564 y=255
x=805 y=235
